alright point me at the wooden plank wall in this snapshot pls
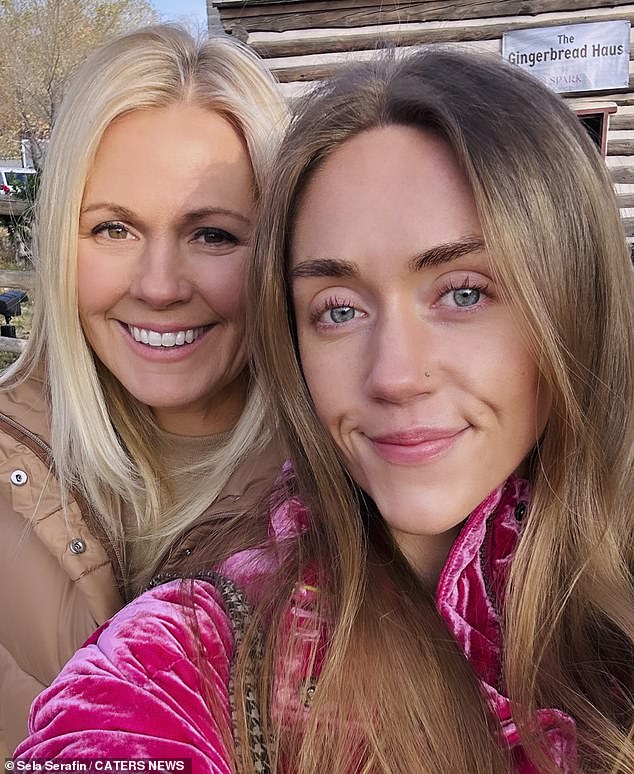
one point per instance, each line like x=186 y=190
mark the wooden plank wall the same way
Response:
x=306 y=40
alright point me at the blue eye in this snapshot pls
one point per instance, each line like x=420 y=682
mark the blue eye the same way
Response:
x=466 y=296
x=341 y=314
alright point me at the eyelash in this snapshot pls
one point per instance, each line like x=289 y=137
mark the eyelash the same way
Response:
x=225 y=236
x=221 y=234
x=115 y=224
x=451 y=286
x=466 y=284
x=326 y=306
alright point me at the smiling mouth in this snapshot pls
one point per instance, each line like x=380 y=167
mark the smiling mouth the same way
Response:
x=170 y=339
x=416 y=446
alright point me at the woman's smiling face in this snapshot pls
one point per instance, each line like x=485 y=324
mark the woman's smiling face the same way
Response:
x=164 y=240
x=415 y=363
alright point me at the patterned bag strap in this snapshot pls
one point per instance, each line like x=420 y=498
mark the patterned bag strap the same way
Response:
x=239 y=611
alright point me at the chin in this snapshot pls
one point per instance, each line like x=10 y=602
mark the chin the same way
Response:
x=161 y=400
x=422 y=514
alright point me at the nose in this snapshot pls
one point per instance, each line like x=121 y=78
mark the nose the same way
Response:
x=161 y=278
x=401 y=358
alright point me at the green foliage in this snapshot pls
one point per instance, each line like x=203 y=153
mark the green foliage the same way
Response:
x=27 y=191
x=19 y=228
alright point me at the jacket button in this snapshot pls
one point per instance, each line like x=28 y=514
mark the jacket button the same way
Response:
x=520 y=511
x=19 y=477
x=308 y=691
x=77 y=546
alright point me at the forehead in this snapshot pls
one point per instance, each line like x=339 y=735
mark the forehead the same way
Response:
x=388 y=190
x=175 y=126
x=146 y=154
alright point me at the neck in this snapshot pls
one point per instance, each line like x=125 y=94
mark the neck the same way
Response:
x=427 y=557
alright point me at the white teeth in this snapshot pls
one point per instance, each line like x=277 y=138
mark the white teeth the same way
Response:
x=171 y=339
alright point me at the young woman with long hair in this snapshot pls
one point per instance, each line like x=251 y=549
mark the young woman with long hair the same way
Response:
x=130 y=426
x=444 y=324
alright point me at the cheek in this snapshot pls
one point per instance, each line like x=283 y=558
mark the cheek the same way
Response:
x=326 y=385
x=100 y=284
x=524 y=391
x=85 y=284
x=93 y=289
x=223 y=289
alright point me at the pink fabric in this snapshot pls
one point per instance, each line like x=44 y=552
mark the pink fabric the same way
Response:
x=134 y=691
x=470 y=594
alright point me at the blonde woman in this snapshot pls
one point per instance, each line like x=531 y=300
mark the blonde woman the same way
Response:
x=130 y=424
x=446 y=330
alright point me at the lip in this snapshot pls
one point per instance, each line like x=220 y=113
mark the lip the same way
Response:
x=163 y=327
x=164 y=354
x=416 y=446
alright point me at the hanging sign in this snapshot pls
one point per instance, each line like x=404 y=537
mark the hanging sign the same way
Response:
x=574 y=57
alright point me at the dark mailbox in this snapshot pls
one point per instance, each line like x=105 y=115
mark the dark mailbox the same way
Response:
x=10 y=306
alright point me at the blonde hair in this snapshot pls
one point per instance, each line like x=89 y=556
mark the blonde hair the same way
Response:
x=395 y=695
x=101 y=437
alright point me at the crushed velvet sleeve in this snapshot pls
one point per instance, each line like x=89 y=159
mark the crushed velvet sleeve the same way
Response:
x=134 y=689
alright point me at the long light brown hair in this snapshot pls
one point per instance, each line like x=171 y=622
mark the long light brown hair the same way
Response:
x=395 y=695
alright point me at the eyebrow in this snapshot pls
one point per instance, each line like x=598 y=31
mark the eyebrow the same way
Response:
x=325 y=267
x=445 y=253
x=435 y=256
x=125 y=214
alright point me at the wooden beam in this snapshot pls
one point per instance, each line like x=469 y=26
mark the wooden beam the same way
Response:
x=17 y=279
x=320 y=66
x=301 y=5
x=11 y=206
x=620 y=146
x=281 y=16
x=623 y=119
x=8 y=344
x=628 y=225
x=622 y=174
x=313 y=72
x=622 y=99
x=378 y=38
x=625 y=200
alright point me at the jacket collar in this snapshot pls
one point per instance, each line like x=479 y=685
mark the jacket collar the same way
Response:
x=471 y=588
x=470 y=597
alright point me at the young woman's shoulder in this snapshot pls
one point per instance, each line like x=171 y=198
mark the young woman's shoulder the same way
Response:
x=134 y=690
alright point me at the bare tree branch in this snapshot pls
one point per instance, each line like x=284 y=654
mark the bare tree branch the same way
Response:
x=41 y=44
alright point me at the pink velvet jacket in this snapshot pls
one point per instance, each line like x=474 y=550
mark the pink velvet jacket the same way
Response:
x=134 y=690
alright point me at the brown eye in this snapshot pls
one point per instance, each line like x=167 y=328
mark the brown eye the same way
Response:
x=111 y=230
x=117 y=232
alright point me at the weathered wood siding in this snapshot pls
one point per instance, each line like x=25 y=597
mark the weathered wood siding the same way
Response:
x=284 y=15
x=306 y=40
